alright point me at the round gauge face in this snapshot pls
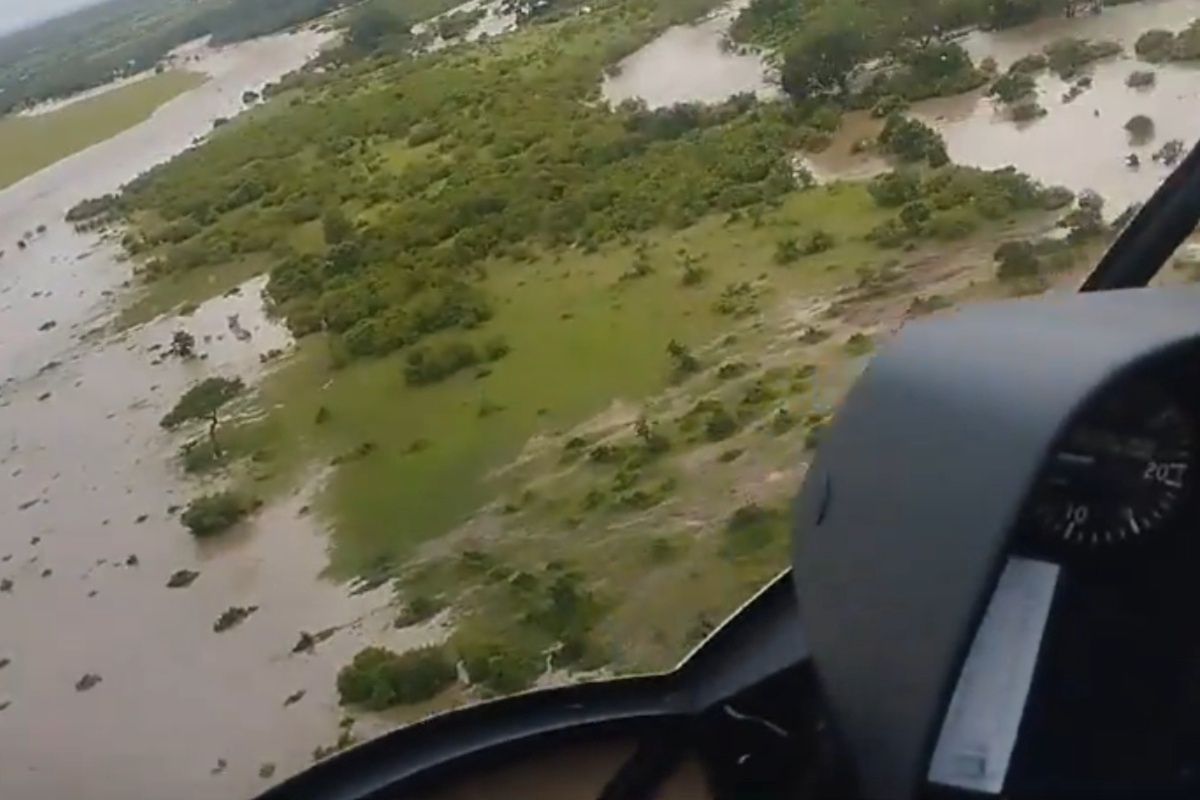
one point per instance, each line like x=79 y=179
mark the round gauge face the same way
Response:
x=1121 y=472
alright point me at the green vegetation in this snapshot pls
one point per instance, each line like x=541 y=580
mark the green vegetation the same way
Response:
x=378 y=678
x=579 y=335
x=527 y=314
x=452 y=26
x=499 y=668
x=951 y=202
x=1141 y=78
x=1014 y=86
x=1140 y=128
x=1067 y=56
x=1161 y=45
x=823 y=42
x=215 y=513
x=204 y=401
x=413 y=264
x=911 y=140
x=751 y=528
x=29 y=143
x=1026 y=111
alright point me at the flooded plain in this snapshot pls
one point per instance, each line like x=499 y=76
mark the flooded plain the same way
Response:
x=90 y=535
x=87 y=483
x=1080 y=144
x=691 y=63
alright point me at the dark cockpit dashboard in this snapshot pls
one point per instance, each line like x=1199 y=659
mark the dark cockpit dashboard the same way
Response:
x=1114 y=705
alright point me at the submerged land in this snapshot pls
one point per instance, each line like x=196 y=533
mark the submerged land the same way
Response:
x=547 y=361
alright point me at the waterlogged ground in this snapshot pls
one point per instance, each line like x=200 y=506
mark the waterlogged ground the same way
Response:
x=1081 y=144
x=86 y=475
x=691 y=63
x=89 y=538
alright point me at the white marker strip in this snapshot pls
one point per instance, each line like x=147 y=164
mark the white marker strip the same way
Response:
x=980 y=730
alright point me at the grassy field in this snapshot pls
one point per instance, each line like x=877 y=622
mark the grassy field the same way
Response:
x=580 y=337
x=28 y=144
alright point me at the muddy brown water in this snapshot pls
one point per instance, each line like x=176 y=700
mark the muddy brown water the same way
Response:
x=691 y=63
x=1081 y=144
x=175 y=699
x=82 y=459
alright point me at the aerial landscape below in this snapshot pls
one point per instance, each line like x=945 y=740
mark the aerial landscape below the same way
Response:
x=361 y=361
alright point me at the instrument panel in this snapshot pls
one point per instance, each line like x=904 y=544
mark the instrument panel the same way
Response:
x=1123 y=474
x=1114 y=705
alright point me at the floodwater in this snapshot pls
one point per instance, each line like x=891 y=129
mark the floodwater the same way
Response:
x=86 y=481
x=1081 y=144
x=691 y=63
x=494 y=22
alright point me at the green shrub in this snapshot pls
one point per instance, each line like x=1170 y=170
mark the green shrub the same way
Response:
x=682 y=360
x=378 y=678
x=719 y=425
x=859 y=344
x=420 y=608
x=426 y=364
x=894 y=189
x=922 y=305
x=214 y=513
x=731 y=369
x=1155 y=45
x=750 y=528
x=911 y=140
x=757 y=393
x=730 y=455
x=787 y=250
x=782 y=422
x=1139 y=127
x=1012 y=87
x=914 y=215
x=953 y=224
x=199 y=456
x=887 y=105
x=1141 y=78
x=499 y=668
x=1065 y=56
x=891 y=233
x=1027 y=111
x=1015 y=259
x=1034 y=62
x=1057 y=197
x=817 y=241
x=423 y=133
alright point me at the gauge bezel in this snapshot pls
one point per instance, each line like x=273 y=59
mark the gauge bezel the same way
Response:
x=1169 y=376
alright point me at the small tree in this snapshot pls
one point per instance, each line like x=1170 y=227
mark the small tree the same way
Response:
x=1012 y=87
x=787 y=250
x=213 y=513
x=1140 y=128
x=1016 y=259
x=204 y=401
x=183 y=344
x=378 y=678
x=685 y=362
x=654 y=441
x=336 y=226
